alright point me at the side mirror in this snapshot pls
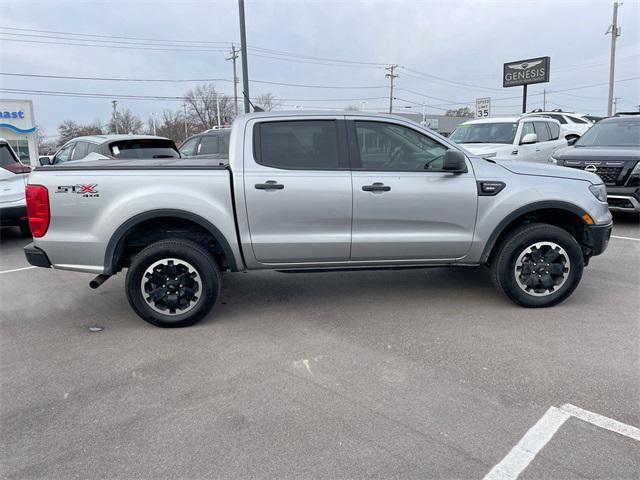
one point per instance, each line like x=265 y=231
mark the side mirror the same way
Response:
x=529 y=138
x=44 y=161
x=454 y=162
x=572 y=140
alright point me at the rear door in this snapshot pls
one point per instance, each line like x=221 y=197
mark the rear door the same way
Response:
x=298 y=191
x=545 y=146
x=405 y=207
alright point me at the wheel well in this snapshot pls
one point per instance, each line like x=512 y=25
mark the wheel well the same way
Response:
x=146 y=232
x=568 y=221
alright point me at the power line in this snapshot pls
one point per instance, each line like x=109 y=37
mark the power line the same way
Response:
x=170 y=80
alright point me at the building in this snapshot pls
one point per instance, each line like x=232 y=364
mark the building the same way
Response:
x=17 y=126
x=442 y=124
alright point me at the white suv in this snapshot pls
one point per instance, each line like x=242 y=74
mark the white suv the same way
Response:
x=524 y=138
x=572 y=125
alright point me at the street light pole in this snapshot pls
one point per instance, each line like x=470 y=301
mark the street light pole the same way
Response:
x=614 y=30
x=243 y=48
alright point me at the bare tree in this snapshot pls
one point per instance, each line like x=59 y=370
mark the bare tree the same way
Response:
x=171 y=125
x=202 y=107
x=70 y=129
x=125 y=122
x=267 y=102
x=459 y=112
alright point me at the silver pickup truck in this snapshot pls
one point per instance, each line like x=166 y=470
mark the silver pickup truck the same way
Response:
x=315 y=191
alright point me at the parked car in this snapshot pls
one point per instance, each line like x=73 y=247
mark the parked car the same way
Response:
x=316 y=192
x=114 y=146
x=611 y=150
x=572 y=125
x=210 y=142
x=13 y=179
x=527 y=139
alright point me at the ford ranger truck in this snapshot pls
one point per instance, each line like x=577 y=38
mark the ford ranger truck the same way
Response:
x=315 y=192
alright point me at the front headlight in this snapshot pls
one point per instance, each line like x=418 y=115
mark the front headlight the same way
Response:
x=599 y=191
x=636 y=169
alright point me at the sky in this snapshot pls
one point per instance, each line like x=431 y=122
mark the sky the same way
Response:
x=448 y=53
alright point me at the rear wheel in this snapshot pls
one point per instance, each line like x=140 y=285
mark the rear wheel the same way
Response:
x=173 y=283
x=538 y=265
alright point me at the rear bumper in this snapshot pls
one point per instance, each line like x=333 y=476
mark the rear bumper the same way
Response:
x=624 y=199
x=596 y=239
x=12 y=216
x=36 y=256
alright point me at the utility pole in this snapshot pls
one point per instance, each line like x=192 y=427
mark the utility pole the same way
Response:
x=218 y=109
x=115 y=114
x=153 y=120
x=614 y=30
x=243 y=48
x=544 y=100
x=233 y=58
x=615 y=105
x=424 y=113
x=186 y=133
x=391 y=75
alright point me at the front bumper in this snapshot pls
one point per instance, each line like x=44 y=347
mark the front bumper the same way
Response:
x=624 y=199
x=36 y=256
x=13 y=216
x=596 y=239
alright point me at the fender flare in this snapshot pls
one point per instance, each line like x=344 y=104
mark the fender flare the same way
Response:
x=530 y=207
x=122 y=230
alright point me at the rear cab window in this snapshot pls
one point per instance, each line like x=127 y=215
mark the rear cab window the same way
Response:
x=298 y=145
x=143 y=148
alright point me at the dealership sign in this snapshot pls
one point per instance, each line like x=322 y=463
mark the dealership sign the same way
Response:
x=526 y=72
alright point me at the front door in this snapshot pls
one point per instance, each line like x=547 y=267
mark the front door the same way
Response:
x=298 y=192
x=405 y=207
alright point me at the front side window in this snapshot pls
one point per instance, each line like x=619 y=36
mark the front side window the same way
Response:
x=497 y=132
x=208 y=145
x=298 y=145
x=560 y=118
x=542 y=131
x=611 y=134
x=188 y=147
x=527 y=128
x=389 y=147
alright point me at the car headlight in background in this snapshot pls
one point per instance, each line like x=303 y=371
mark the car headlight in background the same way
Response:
x=599 y=191
x=636 y=169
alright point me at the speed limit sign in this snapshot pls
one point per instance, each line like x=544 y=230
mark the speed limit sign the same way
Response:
x=483 y=107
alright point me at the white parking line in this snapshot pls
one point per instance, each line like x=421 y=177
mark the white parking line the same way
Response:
x=626 y=238
x=539 y=435
x=17 y=269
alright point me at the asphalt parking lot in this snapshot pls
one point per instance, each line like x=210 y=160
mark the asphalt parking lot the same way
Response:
x=403 y=374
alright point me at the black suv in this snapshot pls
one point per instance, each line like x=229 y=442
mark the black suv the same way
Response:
x=210 y=143
x=610 y=149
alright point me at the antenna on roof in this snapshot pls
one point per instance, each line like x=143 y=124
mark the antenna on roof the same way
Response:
x=255 y=109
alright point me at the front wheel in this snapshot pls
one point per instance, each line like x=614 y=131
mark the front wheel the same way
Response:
x=173 y=283
x=538 y=265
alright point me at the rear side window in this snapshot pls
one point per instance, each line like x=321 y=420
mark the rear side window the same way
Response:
x=576 y=120
x=560 y=118
x=554 y=128
x=298 y=145
x=542 y=131
x=6 y=158
x=81 y=151
x=143 y=148
x=209 y=145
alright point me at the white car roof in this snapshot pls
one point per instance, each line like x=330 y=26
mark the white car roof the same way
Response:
x=507 y=120
x=111 y=138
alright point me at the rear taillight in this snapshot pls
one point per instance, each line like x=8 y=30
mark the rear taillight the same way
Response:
x=16 y=167
x=38 y=209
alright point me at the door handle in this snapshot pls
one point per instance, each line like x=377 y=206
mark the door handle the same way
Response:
x=269 y=185
x=376 y=187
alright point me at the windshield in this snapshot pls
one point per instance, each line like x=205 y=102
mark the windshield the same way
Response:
x=622 y=133
x=6 y=158
x=485 y=133
x=144 y=148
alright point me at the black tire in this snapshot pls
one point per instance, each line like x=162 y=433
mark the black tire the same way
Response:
x=205 y=287
x=25 y=231
x=517 y=243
